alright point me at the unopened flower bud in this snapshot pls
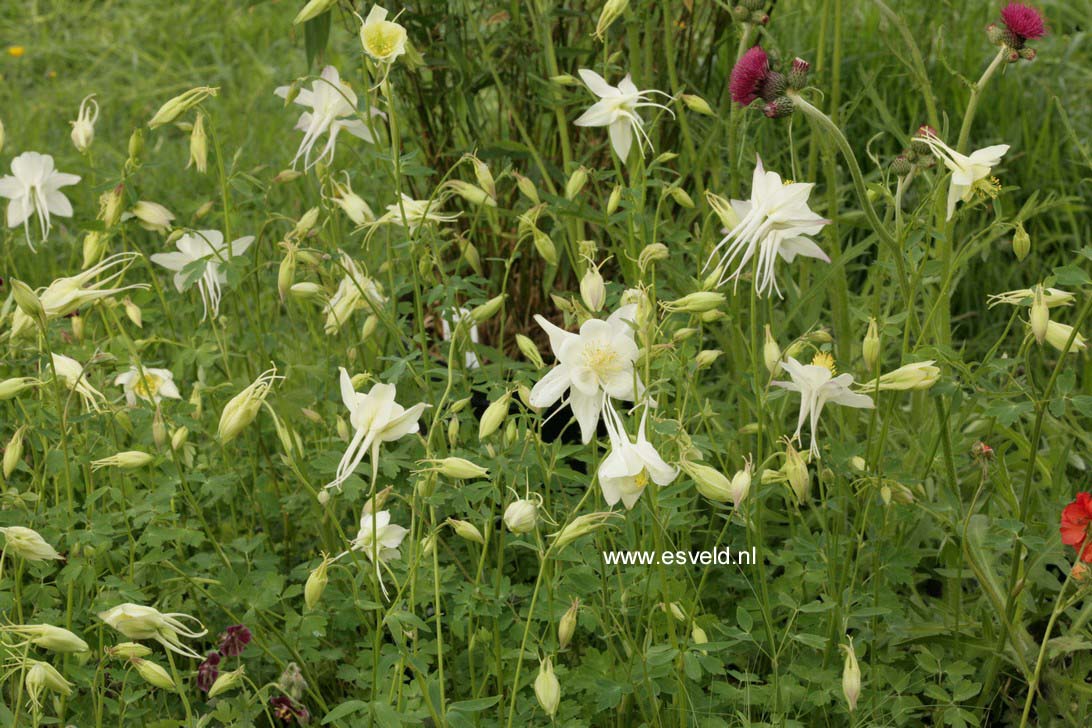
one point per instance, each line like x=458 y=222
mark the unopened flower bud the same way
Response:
x=494 y=416
x=40 y=677
x=681 y=198
x=651 y=253
x=135 y=148
x=28 y=302
x=241 y=410
x=567 y=626
x=153 y=673
x=128 y=650
x=709 y=481
x=547 y=688
x=457 y=468
x=527 y=188
x=133 y=312
x=741 y=484
x=227 y=681
x=901 y=166
x=698 y=635
x=870 y=348
x=592 y=289
x=1021 y=242
x=83 y=128
x=545 y=246
x=1039 y=318
x=780 y=107
x=13 y=453
x=179 y=105
x=286 y=272
x=466 y=530
x=1058 y=334
x=127 y=460
x=697 y=104
x=706 y=357
x=771 y=353
x=699 y=302
x=179 y=437
x=576 y=183
x=487 y=310
x=199 y=145
x=851 y=677
x=796 y=472
x=529 y=350
x=798 y=74
x=580 y=526
x=521 y=516
x=565 y=79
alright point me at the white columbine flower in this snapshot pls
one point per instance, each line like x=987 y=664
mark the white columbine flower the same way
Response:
x=617 y=108
x=1052 y=297
x=629 y=467
x=772 y=223
x=375 y=418
x=72 y=373
x=592 y=365
x=378 y=538
x=28 y=543
x=207 y=246
x=332 y=107
x=355 y=291
x=412 y=214
x=970 y=174
x=34 y=188
x=446 y=326
x=138 y=622
x=817 y=386
x=65 y=295
x=83 y=128
x=152 y=386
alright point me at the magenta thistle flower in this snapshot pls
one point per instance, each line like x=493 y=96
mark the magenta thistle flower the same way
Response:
x=208 y=671
x=234 y=640
x=748 y=75
x=1023 y=21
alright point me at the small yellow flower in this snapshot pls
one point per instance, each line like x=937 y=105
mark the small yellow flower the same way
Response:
x=16 y=51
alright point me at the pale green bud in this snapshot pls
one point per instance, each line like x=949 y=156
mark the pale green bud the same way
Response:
x=40 y=677
x=487 y=310
x=286 y=272
x=567 y=626
x=127 y=460
x=614 y=199
x=313 y=9
x=466 y=530
x=1058 y=334
x=652 y=253
x=179 y=105
x=179 y=437
x=527 y=188
x=851 y=677
x=15 y=386
x=459 y=405
x=580 y=526
x=1040 y=316
x=199 y=145
x=918 y=375
x=227 y=681
x=796 y=472
x=94 y=246
x=1021 y=242
x=547 y=688
x=28 y=544
x=521 y=516
x=870 y=349
x=771 y=353
x=14 y=452
x=698 y=635
x=545 y=246
x=456 y=468
x=241 y=410
x=494 y=416
x=28 y=302
x=565 y=79
x=698 y=302
x=681 y=198
x=706 y=357
x=529 y=350
x=153 y=673
x=484 y=177
x=128 y=650
x=48 y=637
x=576 y=183
x=111 y=203
x=592 y=289
x=612 y=10
x=710 y=482
x=453 y=432
x=698 y=104
x=471 y=193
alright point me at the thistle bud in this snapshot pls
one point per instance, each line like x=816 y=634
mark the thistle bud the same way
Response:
x=13 y=453
x=576 y=183
x=851 y=677
x=612 y=10
x=614 y=200
x=494 y=416
x=998 y=35
x=28 y=302
x=699 y=302
x=487 y=310
x=567 y=626
x=901 y=166
x=780 y=107
x=798 y=74
x=771 y=353
x=521 y=516
x=527 y=188
x=547 y=688
x=1021 y=242
x=1040 y=316
x=457 y=468
x=592 y=289
x=529 y=350
x=652 y=253
x=199 y=145
x=698 y=104
x=698 y=635
x=466 y=530
x=706 y=357
x=153 y=673
x=710 y=482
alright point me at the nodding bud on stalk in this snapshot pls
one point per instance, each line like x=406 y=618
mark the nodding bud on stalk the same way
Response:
x=741 y=483
x=771 y=353
x=567 y=626
x=699 y=302
x=487 y=310
x=529 y=350
x=48 y=637
x=521 y=516
x=547 y=688
x=199 y=145
x=241 y=410
x=494 y=416
x=316 y=584
x=15 y=386
x=576 y=183
x=471 y=193
x=152 y=673
x=870 y=348
x=1021 y=242
x=581 y=526
x=466 y=530
x=133 y=312
x=227 y=681
x=128 y=650
x=681 y=197
x=94 y=246
x=527 y=188
x=179 y=437
x=453 y=432
x=13 y=453
x=1057 y=335
x=705 y=358
x=709 y=481
x=851 y=677
x=28 y=544
x=41 y=676
x=28 y=302
x=614 y=200
x=286 y=272
x=179 y=105
x=127 y=460
x=917 y=375
x=110 y=206
x=612 y=10
x=312 y=10
x=83 y=128
x=1040 y=316
x=798 y=74
x=455 y=468
x=592 y=289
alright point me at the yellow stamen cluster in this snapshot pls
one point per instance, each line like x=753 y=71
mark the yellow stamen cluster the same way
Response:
x=824 y=359
x=988 y=187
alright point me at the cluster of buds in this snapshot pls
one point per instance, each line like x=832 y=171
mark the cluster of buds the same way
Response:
x=755 y=77
x=918 y=156
x=1019 y=24
x=751 y=11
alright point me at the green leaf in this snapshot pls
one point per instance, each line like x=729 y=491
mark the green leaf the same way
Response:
x=316 y=33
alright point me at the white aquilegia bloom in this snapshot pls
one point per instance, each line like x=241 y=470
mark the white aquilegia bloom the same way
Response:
x=34 y=188
x=73 y=376
x=591 y=365
x=617 y=109
x=378 y=538
x=451 y=320
x=774 y=222
x=208 y=247
x=384 y=40
x=412 y=214
x=970 y=174
x=1052 y=297
x=627 y=470
x=355 y=291
x=817 y=386
x=65 y=295
x=332 y=107
x=148 y=383
x=151 y=216
x=375 y=418
x=138 y=622
x=28 y=543
x=83 y=128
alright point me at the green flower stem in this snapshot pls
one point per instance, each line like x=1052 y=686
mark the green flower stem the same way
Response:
x=976 y=95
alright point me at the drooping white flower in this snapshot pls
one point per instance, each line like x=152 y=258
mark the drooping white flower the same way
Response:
x=375 y=418
x=412 y=214
x=971 y=173
x=73 y=375
x=591 y=365
x=151 y=216
x=617 y=109
x=208 y=247
x=378 y=538
x=355 y=291
x=1052 y=297
x=384 y=40
x=817 y=386
x=138 y=622
x=151 y=386
x=774 y=222
x=83 y=128
x=34 y=189
x=446 y=325
x=627 y=470
x=28 y=543
x=332 y=105
x=65 y=295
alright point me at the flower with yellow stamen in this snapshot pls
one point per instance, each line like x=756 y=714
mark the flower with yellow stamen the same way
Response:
x=824 y=359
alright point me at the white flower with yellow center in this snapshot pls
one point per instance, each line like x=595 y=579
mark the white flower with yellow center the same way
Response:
x=617 y=109
x=626 y=471
x=332 y=107
x=200 y=257
x=375 y=418
x=148 y=383
x=34 y=188
x=772 y=224
x=970 y=174
x=817 y=386
x=592 y=365
x=355 y=291
x=384 y=40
